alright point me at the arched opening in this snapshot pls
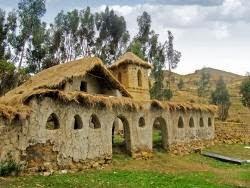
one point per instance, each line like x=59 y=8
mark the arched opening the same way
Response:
x=201 y=122
x=180 y=122
x=94 y=122
x=191 y=122
x=121 y=136
x=52 y=122
x=209 y=122
x=139 y=78
x=77 y=122
x=120 y=77
x=160 y=137
x=141 y=122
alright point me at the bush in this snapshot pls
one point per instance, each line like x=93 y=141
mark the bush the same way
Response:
x=9 y=167
x=220 y=97
x=245 y=92
x=180 y=85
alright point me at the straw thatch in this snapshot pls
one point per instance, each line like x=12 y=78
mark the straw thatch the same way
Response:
x=184 y=107
x=55 y=77
x=130 y=58
x=97 y=101
x=19 y=112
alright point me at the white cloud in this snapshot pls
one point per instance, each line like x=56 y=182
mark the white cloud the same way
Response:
x=221 y=31
x=211 y=36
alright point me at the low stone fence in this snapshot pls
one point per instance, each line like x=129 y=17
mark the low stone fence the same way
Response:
x=232 y=133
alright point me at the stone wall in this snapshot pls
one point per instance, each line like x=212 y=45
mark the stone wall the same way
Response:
x=66 y=147
x=232 y=133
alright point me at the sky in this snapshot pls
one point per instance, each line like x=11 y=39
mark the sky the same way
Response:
x=208 y=33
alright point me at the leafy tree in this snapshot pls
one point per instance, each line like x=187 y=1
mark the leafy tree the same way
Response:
x=29 y=14
x=9 y=79
x=86 y=32
x=158 y=90
x=37 y=52
x=172 y=56
x=220 y=97
x=140 y=44
x=136 y=47
x=245 y=92
x=113 y=35
x=203 y=84
x=7 y=29
x=180 y=85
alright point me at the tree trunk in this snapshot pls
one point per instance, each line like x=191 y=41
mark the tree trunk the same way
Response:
x=21 y=59
x=169 y=76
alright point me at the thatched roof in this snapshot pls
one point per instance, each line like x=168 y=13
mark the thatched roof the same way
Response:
x=184 y=107
x=22 y=111
x=130 y=58
x=55 y=77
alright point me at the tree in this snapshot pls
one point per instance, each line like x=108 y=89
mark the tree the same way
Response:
x=141 y=43
x=180 y=85
x=86 y=33
x=9 y=78
x=29 y=13
x=203 y=84
x=245 y=92
x=220 y=97
x=113 y=36
x=172 y=56
x=158 y=90
x=37 y=51
x=7 y=29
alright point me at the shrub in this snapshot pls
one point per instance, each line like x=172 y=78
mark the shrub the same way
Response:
x=180 y=84
x=220 y=97
x=245 y=92
x=9 y=167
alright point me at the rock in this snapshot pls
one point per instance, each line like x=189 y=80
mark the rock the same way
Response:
x=47 y=173
x=64 y=171
x=95 y=165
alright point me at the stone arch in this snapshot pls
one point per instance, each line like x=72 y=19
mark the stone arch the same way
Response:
x=209 y=122
x=52 y=122
x=139 y=78
x=120 y=77
x=141 y=122
x=77 y=122
x=180 y=122
x=94 y=122
x=201 y=122
x=160 y=134
x=123 y=143
x=191 y=122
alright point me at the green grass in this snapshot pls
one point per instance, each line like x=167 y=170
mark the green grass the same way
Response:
x=237 y=151
x=120 y=179
x=163 y=170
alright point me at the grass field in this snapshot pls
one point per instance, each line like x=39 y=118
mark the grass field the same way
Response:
x=163 y=170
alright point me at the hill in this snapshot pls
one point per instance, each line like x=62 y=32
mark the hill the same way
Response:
x=238 y=113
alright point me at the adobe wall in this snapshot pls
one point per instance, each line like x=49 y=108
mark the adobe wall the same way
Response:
x=129 y=80
x=44 y=149
x=93 y=86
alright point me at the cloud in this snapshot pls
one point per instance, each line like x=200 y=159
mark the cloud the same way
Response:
x=188 y=2
x=221 y=31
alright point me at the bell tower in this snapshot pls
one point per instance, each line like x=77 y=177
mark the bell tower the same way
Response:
x=132 y=72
